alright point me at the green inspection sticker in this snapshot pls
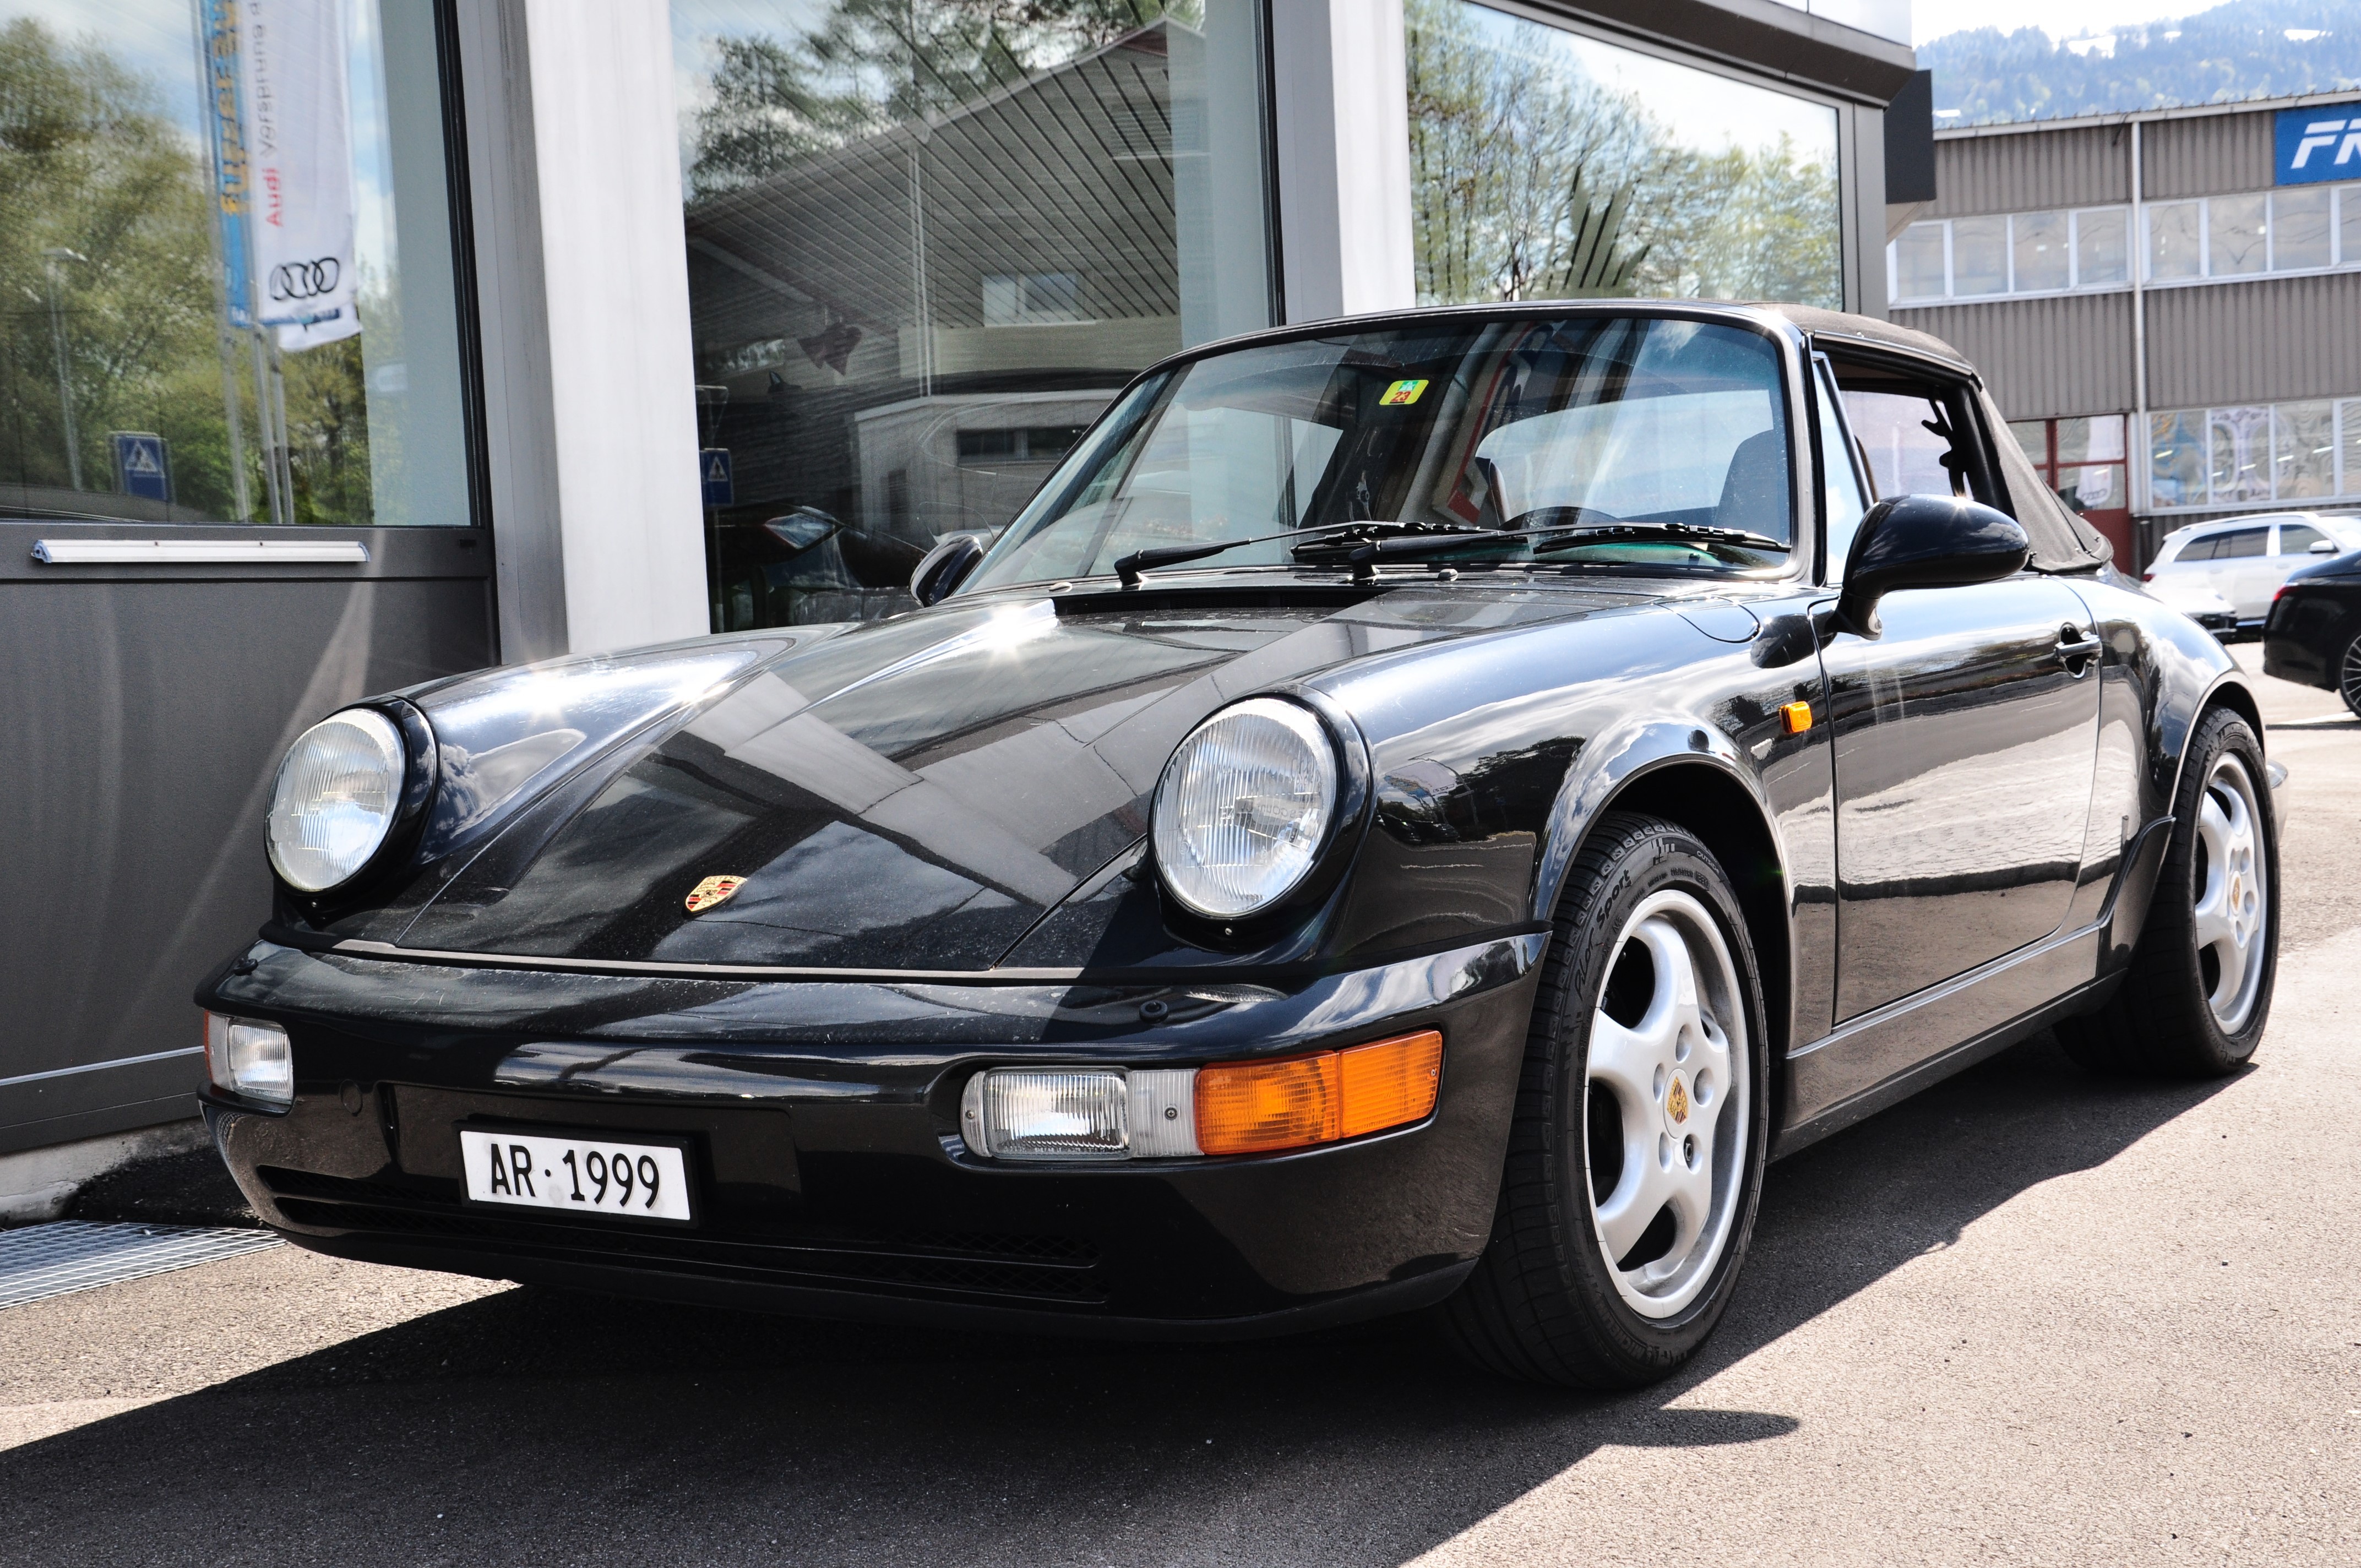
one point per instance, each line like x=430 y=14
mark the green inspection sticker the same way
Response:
x=1401 y=393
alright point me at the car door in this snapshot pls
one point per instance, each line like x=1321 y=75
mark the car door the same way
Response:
x=2240 y=570
x=2296 y=544
x=1965 y=736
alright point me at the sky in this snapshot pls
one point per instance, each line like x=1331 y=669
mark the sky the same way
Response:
x=1931 y=19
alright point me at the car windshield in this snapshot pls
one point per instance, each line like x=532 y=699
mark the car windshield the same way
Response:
x=1666 y=424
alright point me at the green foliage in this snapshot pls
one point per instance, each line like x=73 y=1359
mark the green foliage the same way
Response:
x=2230 y=53
x=90 y=165
x=1532 y=181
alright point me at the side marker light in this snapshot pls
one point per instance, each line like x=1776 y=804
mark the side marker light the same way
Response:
x=1796 y=717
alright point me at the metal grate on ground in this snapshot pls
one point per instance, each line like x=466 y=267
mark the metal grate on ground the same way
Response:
x=38 y=1261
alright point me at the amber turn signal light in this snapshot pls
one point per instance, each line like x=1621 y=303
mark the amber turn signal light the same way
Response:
x=1257 y=1107
x=1796 y=717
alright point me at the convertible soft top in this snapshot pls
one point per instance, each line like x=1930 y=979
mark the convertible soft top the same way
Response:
x=2062 y=541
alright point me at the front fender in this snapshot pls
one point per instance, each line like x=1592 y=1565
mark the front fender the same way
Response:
x=1496 y=760
x=1622 y=756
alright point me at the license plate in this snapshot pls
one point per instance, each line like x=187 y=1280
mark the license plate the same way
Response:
x=577 y=1175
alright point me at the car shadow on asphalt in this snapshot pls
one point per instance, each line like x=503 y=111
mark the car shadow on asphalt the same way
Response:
x=535 y=1425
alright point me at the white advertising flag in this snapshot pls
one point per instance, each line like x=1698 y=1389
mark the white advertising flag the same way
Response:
x=300 y=140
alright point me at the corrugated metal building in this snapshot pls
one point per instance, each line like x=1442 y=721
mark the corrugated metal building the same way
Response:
x=2189 y=276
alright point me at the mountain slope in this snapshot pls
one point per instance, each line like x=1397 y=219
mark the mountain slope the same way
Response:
x=2247 y=49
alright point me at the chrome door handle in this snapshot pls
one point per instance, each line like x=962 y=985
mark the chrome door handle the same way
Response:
x=2074 y=650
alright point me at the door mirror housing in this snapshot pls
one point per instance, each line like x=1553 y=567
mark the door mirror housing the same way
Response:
x=1924 y=542
x=944 y=567
x=2323 y=547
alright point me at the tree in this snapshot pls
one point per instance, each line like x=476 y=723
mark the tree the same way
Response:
x=105 y=202
x=869 y=65
x=101 y=202
x=1530 y=180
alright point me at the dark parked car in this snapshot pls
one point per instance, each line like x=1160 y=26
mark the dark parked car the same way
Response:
x=1413 y=814
x=2313 y=633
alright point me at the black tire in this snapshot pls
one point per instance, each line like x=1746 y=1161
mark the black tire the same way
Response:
x=1543 y=1304
x=2348 y=677
x=2159 y=1022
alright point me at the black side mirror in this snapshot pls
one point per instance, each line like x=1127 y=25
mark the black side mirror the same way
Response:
x=1924 y=542
x=944 y=567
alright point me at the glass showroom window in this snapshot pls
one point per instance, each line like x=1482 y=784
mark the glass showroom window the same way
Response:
x=1548 y=164
x=2082 y=458
x=927 y=242
x=2017 y=253
x=2282 y=452
x=2309 y=228
x=227 y=250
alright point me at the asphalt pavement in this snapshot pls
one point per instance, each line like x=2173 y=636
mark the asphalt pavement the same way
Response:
x=2029 y=1317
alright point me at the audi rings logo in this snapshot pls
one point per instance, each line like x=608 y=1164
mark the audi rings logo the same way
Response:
x=305 y=279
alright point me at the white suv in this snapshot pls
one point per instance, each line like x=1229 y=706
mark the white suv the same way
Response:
x=2245 y=559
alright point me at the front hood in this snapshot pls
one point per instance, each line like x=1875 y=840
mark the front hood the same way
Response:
x=912 y=794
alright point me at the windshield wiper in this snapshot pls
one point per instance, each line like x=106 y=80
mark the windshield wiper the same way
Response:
x=1679 y=533
x=1129 y=567
x=1577 y=534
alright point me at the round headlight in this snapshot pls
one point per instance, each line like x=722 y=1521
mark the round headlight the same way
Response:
x=1242 y=807
x=335 y=798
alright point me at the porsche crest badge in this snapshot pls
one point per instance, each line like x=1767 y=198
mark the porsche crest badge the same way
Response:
x=1676 y=1102
x=712 y=892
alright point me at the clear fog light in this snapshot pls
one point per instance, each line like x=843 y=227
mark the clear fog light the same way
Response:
x=1051 y=1114
x=249 y=1059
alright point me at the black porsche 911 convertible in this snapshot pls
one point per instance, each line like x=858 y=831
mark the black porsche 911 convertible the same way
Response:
x=1411 y=817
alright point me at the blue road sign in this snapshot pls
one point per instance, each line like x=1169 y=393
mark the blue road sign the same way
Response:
x=713 y=465
x=2318 y=145
x=143 y=464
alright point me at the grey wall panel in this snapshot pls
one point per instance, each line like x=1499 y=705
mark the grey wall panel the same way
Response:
x=2206 y=156
x=2032 y=172
x=145 y=721
x=2070 y=354
x=2254 y=343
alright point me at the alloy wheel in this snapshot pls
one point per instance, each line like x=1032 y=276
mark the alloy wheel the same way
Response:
x=2230 y=901
x=2348 y=675
x=1669 y=1081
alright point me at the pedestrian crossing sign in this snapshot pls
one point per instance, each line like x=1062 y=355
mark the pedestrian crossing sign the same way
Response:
x=143 y=464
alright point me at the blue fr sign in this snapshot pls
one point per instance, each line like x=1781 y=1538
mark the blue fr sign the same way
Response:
x=143 y=464
x=2322 y=144
x=713 y=466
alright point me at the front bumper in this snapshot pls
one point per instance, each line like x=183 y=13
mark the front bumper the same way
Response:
x=823 y=1121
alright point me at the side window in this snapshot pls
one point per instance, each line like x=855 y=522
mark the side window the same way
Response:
x=2245 y=542
x=1917 y=437
x=1906 y=457
x=1842 y=499
x=2201 y=549
x=2297 y=538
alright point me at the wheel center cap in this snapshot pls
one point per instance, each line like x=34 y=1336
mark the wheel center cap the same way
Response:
x=1676 y=1106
